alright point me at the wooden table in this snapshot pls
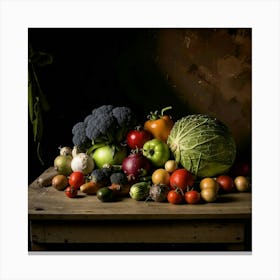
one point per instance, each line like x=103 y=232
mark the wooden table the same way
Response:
x=59 y=223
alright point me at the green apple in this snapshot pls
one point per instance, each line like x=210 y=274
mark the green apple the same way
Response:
x=109 y=155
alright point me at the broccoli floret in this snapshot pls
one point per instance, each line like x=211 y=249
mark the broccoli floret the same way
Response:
x=118 y=178
x=87 y=118
x=124 y=116
x=125 y=120
x=79 y=136
x=107 y=171
x=106 y=124
x=92 y=130
x=100 y=176
x=100 y=123
x=104 y=109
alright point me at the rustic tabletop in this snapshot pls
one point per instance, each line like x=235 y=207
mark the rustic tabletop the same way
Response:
x=55 y=218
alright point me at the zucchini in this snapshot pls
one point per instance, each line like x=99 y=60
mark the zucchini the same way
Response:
x=139 y=191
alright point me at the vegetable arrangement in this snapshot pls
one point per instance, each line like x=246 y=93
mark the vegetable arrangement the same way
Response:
x=187 y=161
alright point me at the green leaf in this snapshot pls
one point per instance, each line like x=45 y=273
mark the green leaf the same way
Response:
x=39 y=151
x=30 y=98
x=36 y=98
x=43 y=100
x=95 y=147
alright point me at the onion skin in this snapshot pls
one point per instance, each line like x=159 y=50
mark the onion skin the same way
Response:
x=65 y=151
x=135 y=165
x=63 y=165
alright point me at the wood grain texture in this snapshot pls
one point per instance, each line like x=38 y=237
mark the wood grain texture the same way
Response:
x=173 y=231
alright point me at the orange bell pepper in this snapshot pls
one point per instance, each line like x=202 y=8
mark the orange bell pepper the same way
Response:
x=159 y=125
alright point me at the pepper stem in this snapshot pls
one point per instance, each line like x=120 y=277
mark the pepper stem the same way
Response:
x=165 y=109
x=155 y=115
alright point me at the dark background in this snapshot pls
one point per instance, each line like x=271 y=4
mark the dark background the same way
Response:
x=96 y=66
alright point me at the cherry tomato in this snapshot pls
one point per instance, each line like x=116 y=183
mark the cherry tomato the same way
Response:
x=226 y=183
x=181 y=178
x=76 y=179
x=71 y=191
x=160 y=176
x=192 y=197
x=137 y=138
x=175 y=196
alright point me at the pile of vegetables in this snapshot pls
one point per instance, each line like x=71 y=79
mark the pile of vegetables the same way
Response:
x=187 y=161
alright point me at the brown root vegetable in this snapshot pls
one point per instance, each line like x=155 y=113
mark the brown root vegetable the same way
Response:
x=90 y=187
x=159 y=192
x=45 y=180
x=120 y=189
x=60 y=182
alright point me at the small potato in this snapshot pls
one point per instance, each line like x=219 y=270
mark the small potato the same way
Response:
x=171 y=165
x=242 y=184
x=90 y=187
x=209 y=183
x=45 y=180
x=60 y=182
x=208 y=195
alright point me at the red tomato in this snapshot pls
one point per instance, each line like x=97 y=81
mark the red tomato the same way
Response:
x=226 y=183
x=175 y=196
x=71 y=191
x=137 y=138
x=181 y=178
x=192 y=197
x=76 y=179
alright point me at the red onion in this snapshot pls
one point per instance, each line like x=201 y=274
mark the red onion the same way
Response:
x=135 y=165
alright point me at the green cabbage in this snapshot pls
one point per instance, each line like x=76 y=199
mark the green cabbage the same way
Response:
x=203 y=145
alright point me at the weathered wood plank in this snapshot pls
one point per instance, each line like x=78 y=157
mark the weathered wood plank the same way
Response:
x=138 y=232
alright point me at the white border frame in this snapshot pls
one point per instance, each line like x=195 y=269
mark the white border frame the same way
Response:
x=17 y=16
